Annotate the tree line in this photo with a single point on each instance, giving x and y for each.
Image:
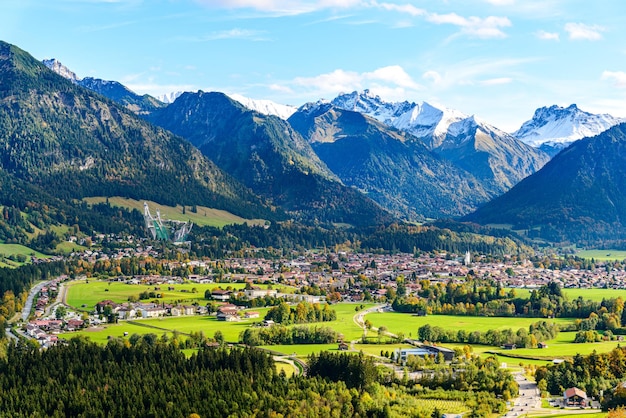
(303, 312)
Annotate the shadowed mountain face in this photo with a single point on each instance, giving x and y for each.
(268, 155)
(75, 143)
(578, 195)
(390, 166)
(496, 159)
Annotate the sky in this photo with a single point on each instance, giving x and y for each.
(496, 59)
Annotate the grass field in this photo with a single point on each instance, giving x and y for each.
(101, 335)
(594, 294)
(88, 293)
(204, 216)
(7, 250)
(287, 367)
(602, 255)
(409, 324)
(563, 346)
(209, 324)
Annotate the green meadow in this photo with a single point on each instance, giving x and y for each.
(409, 324)
(202, 216)
(84, 294)
(593, 293)
(562, 346)
(16, 251)
(602, 255)
(344, 324)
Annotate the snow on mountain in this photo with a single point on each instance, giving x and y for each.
(169, 97)
(557, 127)
(420, 119)
(61, 69)
(267, 107)
(95, 83)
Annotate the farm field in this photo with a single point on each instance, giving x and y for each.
(204, 216)
(301, 350)
(563, 346)
(101, 335)
(594, 294)
(602, 255)
(15, 250)
(209, 324)
(88, 293)
(409, 324)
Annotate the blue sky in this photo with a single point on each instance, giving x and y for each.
(497, 59)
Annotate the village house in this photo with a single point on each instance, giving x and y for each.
(575, 397)
(256, 292)
(227, 313)
(222, 295)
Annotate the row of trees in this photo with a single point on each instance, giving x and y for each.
(479, 297)
(281, 334)
(302, 313)
(537, 332)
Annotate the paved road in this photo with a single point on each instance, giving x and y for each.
(529, 397)
(31, 297)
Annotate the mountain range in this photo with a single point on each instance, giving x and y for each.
(266, 154)
(64, 138)
(578, 196)
(329, 161)
(495, 158)
(392, 167)
(554, 128)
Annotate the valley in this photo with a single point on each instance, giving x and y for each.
(347, 257)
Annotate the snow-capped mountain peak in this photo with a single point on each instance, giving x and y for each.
(372, 105)
(169, 97)
(424, 120)
(61, 69)
(558, 126)
(266, 107)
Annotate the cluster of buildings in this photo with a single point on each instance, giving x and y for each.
(136, 310)
(351, 274)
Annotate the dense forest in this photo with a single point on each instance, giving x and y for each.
(287, 236)
(153, 378)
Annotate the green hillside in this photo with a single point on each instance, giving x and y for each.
(203, 215)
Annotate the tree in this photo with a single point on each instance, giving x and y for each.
(219, 337)
(60, 312)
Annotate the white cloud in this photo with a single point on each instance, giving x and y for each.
(496, 81)
(500, 2)
(432, 75)
(547, 36)
(618, 78)
(488, 27)
(402, 8)
(473, 72)
(581, 31)
(391, 81)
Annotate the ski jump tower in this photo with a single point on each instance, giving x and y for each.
(165, 230)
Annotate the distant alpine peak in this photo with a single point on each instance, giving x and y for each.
(420, 119)
(266, 107)
(61, 69)
(370, 104)
(556, 125)
(319, 107)
(169, 97)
